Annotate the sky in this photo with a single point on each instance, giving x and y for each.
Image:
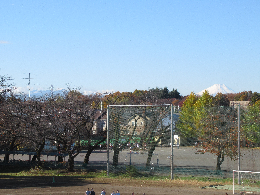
(115, 45)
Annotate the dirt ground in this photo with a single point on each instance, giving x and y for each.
(70, 185)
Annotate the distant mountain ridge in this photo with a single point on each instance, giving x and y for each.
(38, 93)
(217, 88)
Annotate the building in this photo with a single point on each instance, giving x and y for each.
(136, 125)
(243, 104)
(100, 122)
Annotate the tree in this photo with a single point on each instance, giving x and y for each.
(121, 132)
(12, 124)
(165, 93)
(251, 124)
(156, 93)
(218, 135)
(186, 125)
(157, 127)
(93, 116)
(214, 128)
(5, 87)
(220, 100)
(255, 97)
(174, 94)
(38, 125)
(116, 136)
(204, 102)
(243, 96)
(69, 118)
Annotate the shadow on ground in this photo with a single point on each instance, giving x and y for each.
(16, 182)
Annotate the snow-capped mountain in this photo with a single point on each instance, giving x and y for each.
(217, 88)
(38, 93)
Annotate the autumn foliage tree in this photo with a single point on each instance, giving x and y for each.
(218, 135)
(213, 128)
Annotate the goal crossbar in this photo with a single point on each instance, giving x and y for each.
(140, 105)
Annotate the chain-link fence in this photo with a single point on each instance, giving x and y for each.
(134, 135)
(141, 137)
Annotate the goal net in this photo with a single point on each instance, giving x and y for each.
(139, 138)
(246, 182)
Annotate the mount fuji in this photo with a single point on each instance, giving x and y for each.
(217, 88)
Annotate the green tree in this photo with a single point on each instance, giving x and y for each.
(174, 94)
(220, 100)
(165, 93)
(255, 97)
(251, 124)
(204, 102)
(186, 125)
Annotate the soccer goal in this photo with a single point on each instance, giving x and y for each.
(249, 182)
(140, 136)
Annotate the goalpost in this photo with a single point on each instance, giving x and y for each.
(126, 124)
(248, 181)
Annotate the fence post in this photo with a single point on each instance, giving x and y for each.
(172, 142)
(108, 140)
(238, 142)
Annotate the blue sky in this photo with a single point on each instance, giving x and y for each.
(131, 44)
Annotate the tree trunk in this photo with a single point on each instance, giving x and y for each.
(116, 152)
(72, 156)
(91, 148)
(60, 159)
(6, 158)
(11, 148)
(150, 154)
(34, 158)
(116, 143)
(71, 162)
(38, 153)
(220, 160)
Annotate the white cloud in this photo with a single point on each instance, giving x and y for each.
(4, 42)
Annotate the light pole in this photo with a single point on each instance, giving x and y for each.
(29, 83)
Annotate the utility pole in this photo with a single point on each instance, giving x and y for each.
(29, 78)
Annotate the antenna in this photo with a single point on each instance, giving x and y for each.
(29, 83)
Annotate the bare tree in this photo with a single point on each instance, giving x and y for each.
(12, 124)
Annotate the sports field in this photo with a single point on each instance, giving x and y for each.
(187, 157)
